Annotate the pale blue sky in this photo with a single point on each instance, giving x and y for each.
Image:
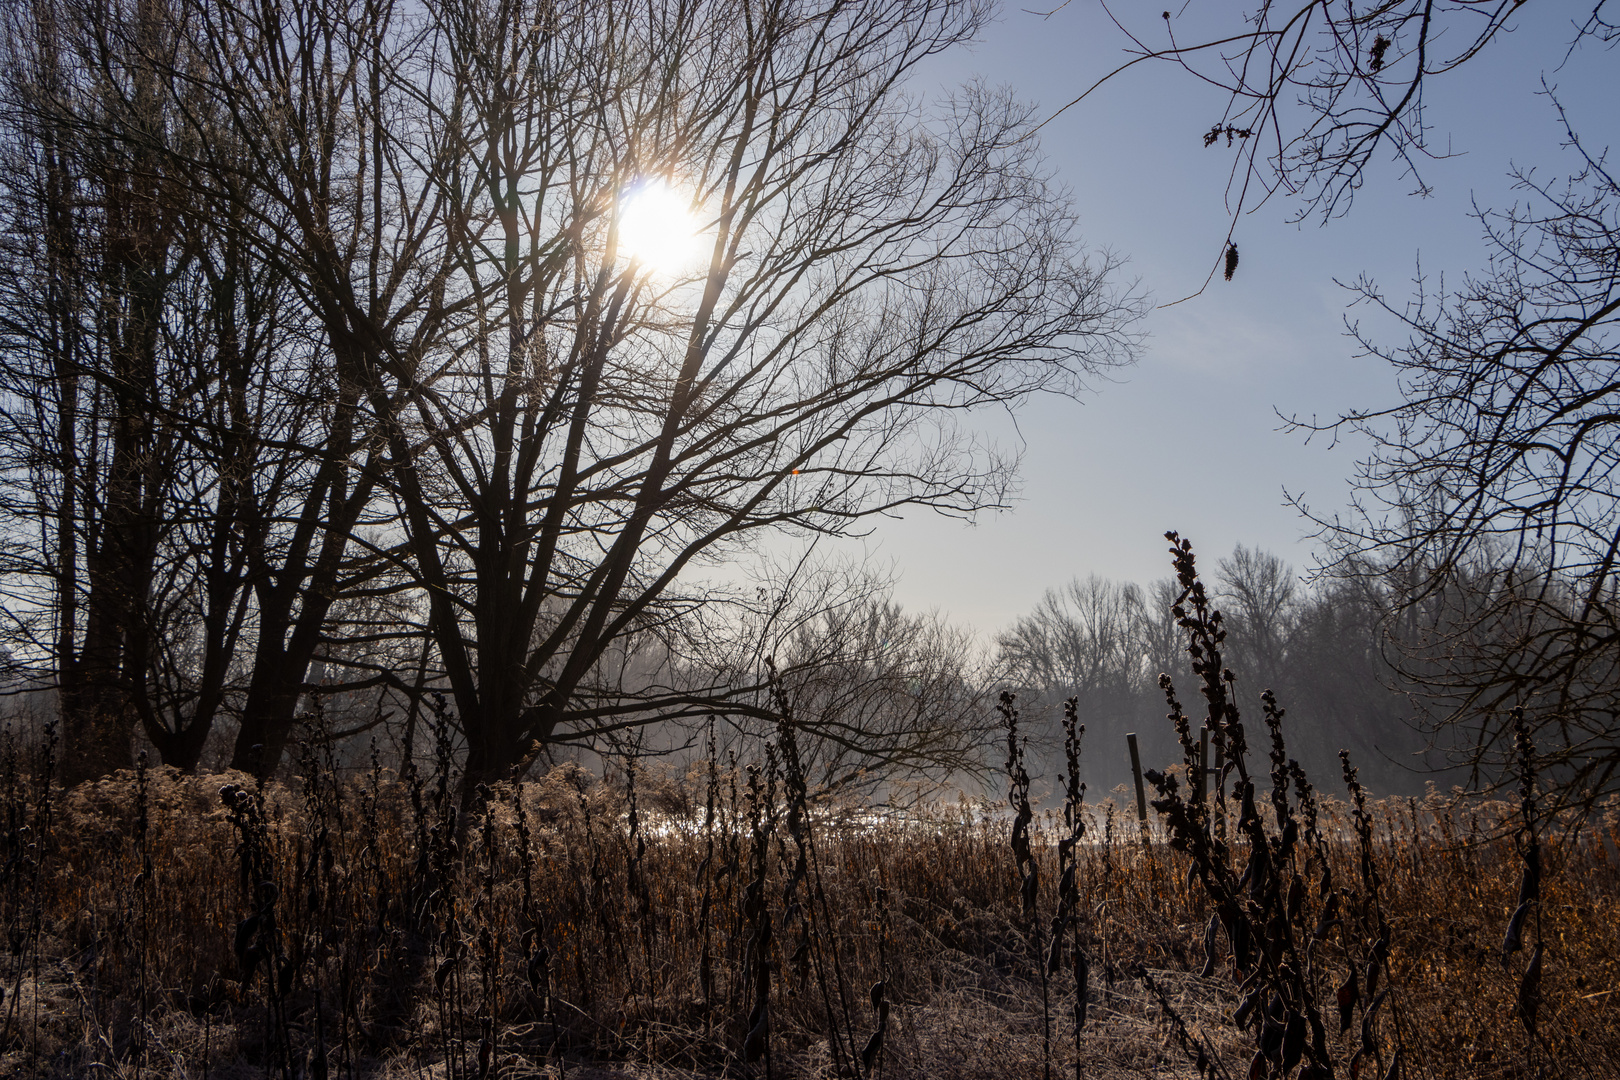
(1189, 438)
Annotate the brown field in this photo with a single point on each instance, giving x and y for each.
(364, 928)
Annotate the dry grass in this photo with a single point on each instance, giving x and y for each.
(399, 944)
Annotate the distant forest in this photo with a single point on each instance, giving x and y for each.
(1324, 651)
(891, 696)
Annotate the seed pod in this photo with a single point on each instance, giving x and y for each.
(250, 963)
(284, 980)
(538, 972)
(1293, 1043)
(1242, 945)
(1513, 940)
(1248, 815)
(1530, 991)
(1348, 994)
(1367, 1043)
(1031, 884)
(1210, 932)
(754, 1044)
(1296, 899)
(1271, 1040)
(1330, 915)
(1276, 938)
(1245, 1009)
(1272, 1031)
(1530, 883)
(244, 934)
(873, 1047)
(759, 1029)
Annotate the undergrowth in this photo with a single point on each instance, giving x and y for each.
(729, 921)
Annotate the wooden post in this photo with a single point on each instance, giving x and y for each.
(1136, 770)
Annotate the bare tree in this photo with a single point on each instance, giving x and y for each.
(885, 695)
(875, 695)
(1080, 639)
(529, 425)
(180, 441)
(1104, 643)
(1255, 591)
(92, 440)
(1492, 511)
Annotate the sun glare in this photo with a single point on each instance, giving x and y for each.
(656, 228)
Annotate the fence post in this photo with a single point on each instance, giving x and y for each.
(1136, 770)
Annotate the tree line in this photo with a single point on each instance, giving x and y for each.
(1325, 652)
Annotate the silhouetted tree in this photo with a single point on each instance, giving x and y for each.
(521, 435)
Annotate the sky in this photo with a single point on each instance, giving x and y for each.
(1190, 437)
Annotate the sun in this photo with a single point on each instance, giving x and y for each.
(656, 227)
